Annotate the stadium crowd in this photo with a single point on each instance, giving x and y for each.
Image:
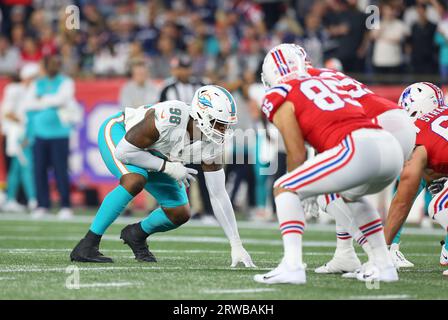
(222, 42)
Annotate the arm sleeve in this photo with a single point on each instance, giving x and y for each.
(130, 154)
(222, 207)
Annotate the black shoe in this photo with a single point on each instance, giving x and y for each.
(86, 251)
(134, 236)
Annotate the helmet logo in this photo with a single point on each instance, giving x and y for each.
(204, 101)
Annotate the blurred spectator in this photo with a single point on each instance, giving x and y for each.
(441, 39)
(313, 39)
(69, 60)
(109, 61)
(423, 51)
(136, 54)
(160, 64)
(138, 90)
(18, 35)
(346, 26)
(30, 51)
(48, 44)
(182, 85)
(387, 50)
(224, 69)
(51, 148)
(93, 18)
(18, 146)
(195, 49)
(9, 57)
(87, 53)
(147, 35)
(431, 11)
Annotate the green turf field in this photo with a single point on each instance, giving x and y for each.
(193, 264)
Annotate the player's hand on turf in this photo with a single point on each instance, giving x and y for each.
(437, 185)
(179, 172)
(239, 254)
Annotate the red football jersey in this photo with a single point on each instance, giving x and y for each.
(325, 115)
(373, 104)
(433, 135)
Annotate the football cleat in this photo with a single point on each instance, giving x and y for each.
(65, 214)
(39, 213)
(443, 255)
(398, 258)
(13, 207)
(343, 261)
(87, 251)
(283, 274)
(372, 273)
(134, 236)
(354, 274)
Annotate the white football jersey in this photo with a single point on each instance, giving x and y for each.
(171, 120)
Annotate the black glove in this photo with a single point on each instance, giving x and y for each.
(437, 185)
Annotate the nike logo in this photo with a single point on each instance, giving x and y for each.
(269, 277)
(444, 256)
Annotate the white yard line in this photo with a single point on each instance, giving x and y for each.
(382, 297)
(224, 251)
(21, 268)
(255, 290)
(108, 284)
(194, 239)
(194, 223)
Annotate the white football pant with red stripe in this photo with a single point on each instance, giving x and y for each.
(438, 208)
(365, 162)
(398, 123)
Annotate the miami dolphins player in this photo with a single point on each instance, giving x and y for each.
(145, 148)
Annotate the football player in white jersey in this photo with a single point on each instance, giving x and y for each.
(145, 148)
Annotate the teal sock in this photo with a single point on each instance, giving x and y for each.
(113, 204)
(397, 236)
(157, 221)
(446, 242)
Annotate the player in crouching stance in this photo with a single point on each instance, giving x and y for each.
(392, 118)
(429, 161)
(356, 158)
(145, 148)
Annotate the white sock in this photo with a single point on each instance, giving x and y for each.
(343, 239)
(442, 218)
(291, 219)
(369, 222)
(344, 223)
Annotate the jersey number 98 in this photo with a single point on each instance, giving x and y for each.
(175, 115)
